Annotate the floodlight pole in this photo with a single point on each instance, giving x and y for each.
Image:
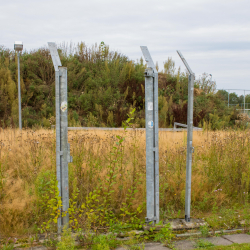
(19, 91)
(190, 148)
(62, 146)
(152, 139)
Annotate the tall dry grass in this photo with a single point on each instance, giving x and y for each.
(220, 176)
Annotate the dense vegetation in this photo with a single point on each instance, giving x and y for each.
(102, 87)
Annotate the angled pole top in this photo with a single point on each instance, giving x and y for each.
(55, 56)
(148, 58)
(185, 62)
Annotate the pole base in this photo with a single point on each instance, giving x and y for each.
(187, 219)
(152, 220)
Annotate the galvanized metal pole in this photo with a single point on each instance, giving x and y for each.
(156, 149)
(152, 141)
(58, 143)
(62, 145)
(244, 101)
(19, 92)
(150, 182)
(228, 99)
(190, 148)
(65, 150)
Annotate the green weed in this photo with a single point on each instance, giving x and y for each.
(203, 244)
(165, 235)
(67, 242)
(204, 230)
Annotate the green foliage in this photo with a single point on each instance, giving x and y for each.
(104, 242)
(67, 242)
(134, 242)
(246, 217)
(234, 246)
(102, 87)
(9, 245)
(224, 219)
(165, 235)
(204, 230)
(203, 244)
(49, 203)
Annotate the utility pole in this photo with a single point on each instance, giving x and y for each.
(152, 138)
(190, 148)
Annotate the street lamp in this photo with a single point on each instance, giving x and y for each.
(18, 46)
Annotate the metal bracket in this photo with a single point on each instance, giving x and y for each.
(185, 62)
(148, 220)
(55, 56)
(148, 58)
(149, 72)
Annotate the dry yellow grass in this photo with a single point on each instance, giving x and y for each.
(221, 159)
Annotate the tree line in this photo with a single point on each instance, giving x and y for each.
(103, 86)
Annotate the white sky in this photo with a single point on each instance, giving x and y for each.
(213, 35)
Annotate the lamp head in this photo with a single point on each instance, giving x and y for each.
(18, 46)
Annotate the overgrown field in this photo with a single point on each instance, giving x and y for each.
(107, 179)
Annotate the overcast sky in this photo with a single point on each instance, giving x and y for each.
(213, 35)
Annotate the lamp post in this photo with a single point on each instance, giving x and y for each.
(18, 46)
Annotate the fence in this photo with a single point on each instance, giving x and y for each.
(174, 129)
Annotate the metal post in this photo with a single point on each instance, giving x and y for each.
(244, 101)
(228, 99)
(190, 148)
(58, 142)
(152, 147)
(62, 145)
(19, 92)
(64, 153)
